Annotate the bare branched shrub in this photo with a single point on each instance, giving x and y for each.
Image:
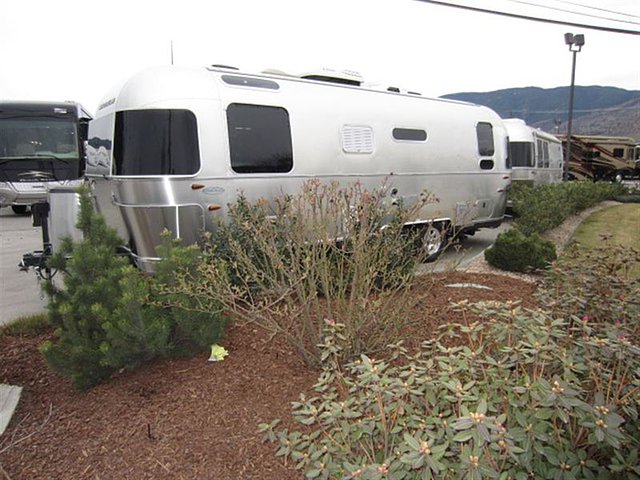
(326, 253)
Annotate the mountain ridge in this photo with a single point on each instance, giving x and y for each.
(598, 110)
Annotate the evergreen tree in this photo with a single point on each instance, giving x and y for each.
(110, 316)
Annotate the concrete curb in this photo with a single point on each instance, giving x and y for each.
(9, 397)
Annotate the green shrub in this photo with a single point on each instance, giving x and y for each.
(583, 195)
(235, 234)
(540, 208)
(109, 315)
(516, 252)
(544, 207)
(627, 194)
(628, 198)
(196, 323)
(519, 394)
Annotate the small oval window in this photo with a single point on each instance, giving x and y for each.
(409, 134)
(486, 164)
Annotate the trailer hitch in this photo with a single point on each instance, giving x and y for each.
(38, 259)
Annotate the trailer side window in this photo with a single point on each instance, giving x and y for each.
(259, 139)
(539, 154)
(156, 142)
(508, 161)
(521, 154)
(409, 134)
(545, 152)
(630, 154)
(484, 132)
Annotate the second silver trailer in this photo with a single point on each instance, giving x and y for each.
(173, 147)
(536, 156)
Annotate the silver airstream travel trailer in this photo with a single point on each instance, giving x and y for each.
(536, 156)
(41, 147)
(173, 147)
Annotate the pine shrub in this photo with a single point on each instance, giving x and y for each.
(516, 252)
(108, 315)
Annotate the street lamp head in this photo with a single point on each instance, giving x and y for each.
(575, 42)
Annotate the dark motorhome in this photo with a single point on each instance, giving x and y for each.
(41, 147)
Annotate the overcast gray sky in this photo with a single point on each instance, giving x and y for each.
(78, 49)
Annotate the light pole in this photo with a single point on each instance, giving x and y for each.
(575, 43)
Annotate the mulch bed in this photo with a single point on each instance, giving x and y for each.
(181, 418)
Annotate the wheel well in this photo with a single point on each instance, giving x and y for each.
(423, 238)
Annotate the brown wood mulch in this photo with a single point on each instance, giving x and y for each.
(180, 418)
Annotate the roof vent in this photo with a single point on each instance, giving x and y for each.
(344, 77)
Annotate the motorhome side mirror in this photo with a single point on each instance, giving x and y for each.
(83, 129)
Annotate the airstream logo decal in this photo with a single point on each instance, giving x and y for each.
(213, 191)
(35, 176)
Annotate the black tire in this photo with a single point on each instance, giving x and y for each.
(19, 209)
(434, 240)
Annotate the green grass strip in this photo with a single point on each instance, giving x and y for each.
(27, 326)
(620, 224)
(616, 225)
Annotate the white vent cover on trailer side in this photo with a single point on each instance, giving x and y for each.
(357, 139)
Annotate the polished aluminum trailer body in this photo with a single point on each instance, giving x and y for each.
(173, 147)
(536, 156)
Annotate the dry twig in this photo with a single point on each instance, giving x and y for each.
(12, 443)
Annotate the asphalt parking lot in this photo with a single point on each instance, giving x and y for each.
(20, 293)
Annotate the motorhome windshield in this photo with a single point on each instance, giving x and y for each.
(521, 154)
(29, 137)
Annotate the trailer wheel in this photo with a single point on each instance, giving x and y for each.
(434, 240)
(19, 209)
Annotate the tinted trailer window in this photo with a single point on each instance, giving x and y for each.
(259, 139)
(156, 142)
(484, 132)
(521, 154)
